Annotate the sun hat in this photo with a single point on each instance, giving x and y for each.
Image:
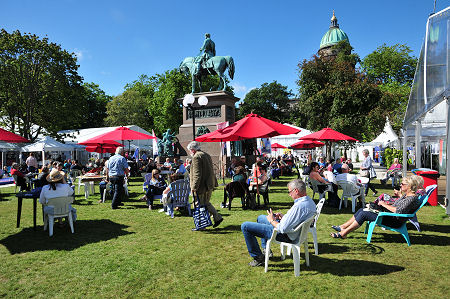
(55, 176)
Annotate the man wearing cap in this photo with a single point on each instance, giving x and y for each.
(116, 169)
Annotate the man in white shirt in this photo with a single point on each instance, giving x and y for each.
(32, 163)
(348, 177)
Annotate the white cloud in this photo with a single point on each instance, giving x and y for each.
(105, 73)
(239, 89)
(81, 54)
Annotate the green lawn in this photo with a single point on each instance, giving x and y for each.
(133, 252)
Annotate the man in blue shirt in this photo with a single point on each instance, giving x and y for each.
(116, 169)
(302, 209)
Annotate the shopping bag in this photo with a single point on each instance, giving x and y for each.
(200, 214)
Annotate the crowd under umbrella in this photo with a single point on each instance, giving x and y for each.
(276, 146)
(7, 140)
(328, 135)
(120, 134)
(249, 127)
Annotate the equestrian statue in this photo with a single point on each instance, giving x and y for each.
(207, 63)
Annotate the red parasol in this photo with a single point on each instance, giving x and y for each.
(251, 126)
(306, 144)
(328, 134)
(277, 145)
(7, 136)
(121, 133)
(102, 149)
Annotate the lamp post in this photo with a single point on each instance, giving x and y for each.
(188, 102)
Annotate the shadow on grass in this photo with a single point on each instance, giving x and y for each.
(435, 228)
(223, 230)
(86, 232)
(338, 267)
(414, 238)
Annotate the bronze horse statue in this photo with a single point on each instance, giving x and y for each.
(216, 65)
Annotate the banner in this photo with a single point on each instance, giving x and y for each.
(155, 145)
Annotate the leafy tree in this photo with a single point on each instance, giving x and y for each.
(388, 64)
(271, 101)
(392, 69)
(128, 108)
(39, 86)
(96, 101)
(332, 93)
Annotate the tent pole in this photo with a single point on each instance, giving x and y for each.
(405, 151)
(418, 143)
(447, 173)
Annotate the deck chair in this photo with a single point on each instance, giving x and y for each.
(56, 208)
(178, 196)
(414, 221)
(312, 228)
(347, 193)
(235, 189)
(370, 225)
(302, 230)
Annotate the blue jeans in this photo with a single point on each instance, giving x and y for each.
(117, 185)
(262, 228)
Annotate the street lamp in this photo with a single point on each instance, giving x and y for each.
(188, 102)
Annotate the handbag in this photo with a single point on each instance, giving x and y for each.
(200, 214)
(364, 173)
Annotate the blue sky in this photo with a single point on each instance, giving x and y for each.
(116, 41)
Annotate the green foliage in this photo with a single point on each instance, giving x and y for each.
(388, 64)
(271, 100)
(389, 154)
(96, 100)
(39, 85)
(333, 94)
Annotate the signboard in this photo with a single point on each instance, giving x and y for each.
(210, 112)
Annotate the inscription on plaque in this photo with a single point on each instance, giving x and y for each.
(210, 112)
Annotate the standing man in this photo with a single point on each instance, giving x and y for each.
(302, 209)
(116, 169)
(203, 179)
(32, 163)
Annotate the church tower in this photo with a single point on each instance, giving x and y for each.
(331, 38)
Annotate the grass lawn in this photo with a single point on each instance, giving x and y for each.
(133, 252)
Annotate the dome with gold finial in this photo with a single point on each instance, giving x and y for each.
(333, 35)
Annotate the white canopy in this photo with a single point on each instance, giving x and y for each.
(287, 140)
(8, 146)
(387, 138)
(47, 144)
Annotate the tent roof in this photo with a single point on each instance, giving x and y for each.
(287, 140)
(387, 137)
(47, 144)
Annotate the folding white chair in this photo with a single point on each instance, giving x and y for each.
(312, 228)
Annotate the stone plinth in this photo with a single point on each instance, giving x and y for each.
(220, 108)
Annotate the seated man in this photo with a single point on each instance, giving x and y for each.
(351, 178)
(302, 209)
(179, 165)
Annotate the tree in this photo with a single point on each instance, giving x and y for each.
(332, 93)
(392, 69)
(388, 64)
(271, 101)
(96, 101)
(39, 86)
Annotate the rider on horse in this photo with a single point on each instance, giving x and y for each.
(208, 49)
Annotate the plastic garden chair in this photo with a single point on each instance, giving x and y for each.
(314, 186)
(414, 220)
(312, 228)
(56, 208)
(370, 225)
(348, 189)
(178, 196)
(302, 230)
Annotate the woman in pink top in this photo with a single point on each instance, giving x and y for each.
(393, 171)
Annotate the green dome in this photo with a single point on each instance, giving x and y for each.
(333, 35)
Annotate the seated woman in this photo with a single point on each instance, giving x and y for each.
(406, 204)
(314, 175)
(21, 179)
(239, 175)
(262, 178)
(395, 167)
(56, 187)
(156, 186)
(276, 169)
(41, 180)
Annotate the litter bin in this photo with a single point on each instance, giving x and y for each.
(430, 177)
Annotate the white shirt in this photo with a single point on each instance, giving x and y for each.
(351, 178)
(48, 192)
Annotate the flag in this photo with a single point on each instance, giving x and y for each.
(155, 144)
(136, 154)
